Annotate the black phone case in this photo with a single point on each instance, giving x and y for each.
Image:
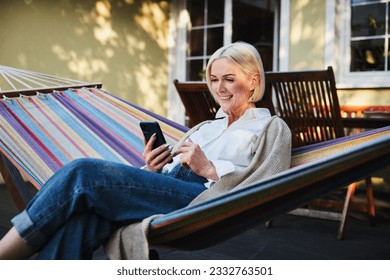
(149, 128)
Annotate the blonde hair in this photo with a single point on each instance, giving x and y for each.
(247, 58)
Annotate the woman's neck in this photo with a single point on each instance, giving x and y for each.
(234, 116)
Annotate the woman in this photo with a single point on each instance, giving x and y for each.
(87, 200)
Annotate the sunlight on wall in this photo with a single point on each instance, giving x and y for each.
(307, 37)
(121, 43)
(147, 82)
(103, 30)
(154, 20)
(85, 65)
(134, 46)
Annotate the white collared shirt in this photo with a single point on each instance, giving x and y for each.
(229, 148)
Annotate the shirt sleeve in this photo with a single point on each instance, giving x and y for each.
(223, 167)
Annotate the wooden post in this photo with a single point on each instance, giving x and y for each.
(15, 183)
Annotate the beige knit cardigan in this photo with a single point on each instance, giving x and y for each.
(272, 155)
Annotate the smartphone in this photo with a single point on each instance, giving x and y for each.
(149, 128)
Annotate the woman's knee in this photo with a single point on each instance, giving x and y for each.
(89, 171)
(75, 171)
(82, 165)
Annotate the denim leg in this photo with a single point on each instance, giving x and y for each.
(118, 193)
(75, 242)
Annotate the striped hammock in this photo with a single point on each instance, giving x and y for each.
(39, 134)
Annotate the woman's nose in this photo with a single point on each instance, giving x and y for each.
(221, 87)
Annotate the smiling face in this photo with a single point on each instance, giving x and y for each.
(231, 87)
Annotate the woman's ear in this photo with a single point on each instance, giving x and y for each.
(255, 80)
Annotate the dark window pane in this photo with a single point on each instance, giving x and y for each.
(195, 70)
(368, 20)
(367, 55)
(215, 10)
(196, 10)
(195, 42)
(214, 39)
(253, 22)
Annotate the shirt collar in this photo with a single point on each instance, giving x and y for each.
(251, 113)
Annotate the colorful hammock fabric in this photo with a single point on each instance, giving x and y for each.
(42, 133)
(321, 150)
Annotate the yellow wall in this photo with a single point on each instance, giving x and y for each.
(307, 34)
(121, 43)
(364, 97)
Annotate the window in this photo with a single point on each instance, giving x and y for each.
(210, 25)
(199, 27)
(369, 45)
(256, 27)
(205, 34)
(363, 38)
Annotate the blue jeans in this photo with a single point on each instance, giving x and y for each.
(78, 209)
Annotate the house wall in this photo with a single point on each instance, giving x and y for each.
(307, 45)
(121, 43)
(307, 34)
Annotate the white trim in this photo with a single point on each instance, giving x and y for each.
(345, 78)
(329, 51)
(228, 22)
(345, 36)
(176, 58)
(275, 50)
(284, 47)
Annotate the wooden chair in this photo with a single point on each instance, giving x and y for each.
(308, 103)
(197, 100)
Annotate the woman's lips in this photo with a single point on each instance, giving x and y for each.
(226, 97)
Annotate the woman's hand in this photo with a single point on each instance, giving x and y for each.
(157, 158)
(193, 157)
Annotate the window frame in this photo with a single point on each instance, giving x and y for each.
(346, 78)
(226, 25)
(177, 58)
